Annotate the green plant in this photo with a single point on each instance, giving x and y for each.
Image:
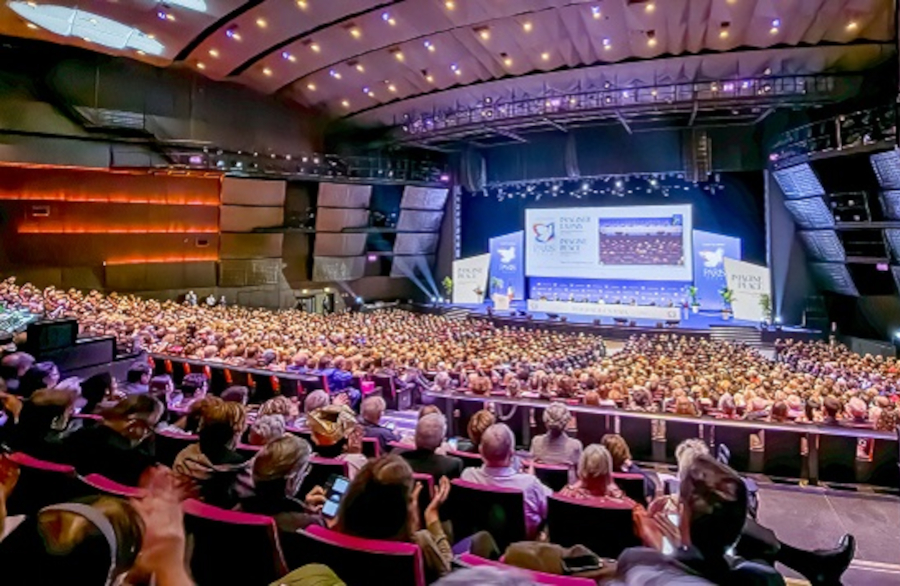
(727, 296)
(765, 304)
(496, 284)
(447, 284)
(692, 293)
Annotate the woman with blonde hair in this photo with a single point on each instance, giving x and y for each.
(595, 477)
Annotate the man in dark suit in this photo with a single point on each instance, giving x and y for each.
(372, 410)
(430, 431)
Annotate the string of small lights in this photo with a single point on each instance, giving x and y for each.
(664, 184)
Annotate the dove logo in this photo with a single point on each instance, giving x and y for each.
(544, 232)
(507, 255)
(713, 258)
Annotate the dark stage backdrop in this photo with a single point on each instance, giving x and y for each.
(737, 210)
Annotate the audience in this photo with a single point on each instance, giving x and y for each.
(498, 452)
(595, 480)
(265, 429)
(476, 427)
(336, 434)
(372, 410)
(430, 432)
(555, 447)
(621, 459)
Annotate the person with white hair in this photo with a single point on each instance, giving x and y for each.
(266, 429)
(497, 449)
(372, 410)
(430, 432)
(556, 447)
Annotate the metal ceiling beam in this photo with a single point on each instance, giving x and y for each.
(764, 115)
(624, 122)
(694, 110)
(555, 125)
(507, 134)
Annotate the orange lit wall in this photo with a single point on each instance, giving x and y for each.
(61, 217)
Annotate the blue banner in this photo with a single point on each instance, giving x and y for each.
(508, 265)
(710, 251)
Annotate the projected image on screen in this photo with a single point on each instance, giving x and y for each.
(642, 241)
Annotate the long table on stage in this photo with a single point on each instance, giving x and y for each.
(606, 309)
(831, 449)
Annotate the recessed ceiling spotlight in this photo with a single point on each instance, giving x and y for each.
(723, 30)
(311, 87)
(355, 32)
(386, 17)
(261, 23)
(450, 4)
(430, 46)
(455, 69)
(288, 56)
(392, 88)
(266, 71)
(596, 13)
(31, 25)
(214, 53)
(359, 67)
(776, 26)
(651, 38)
(428, 77)
(302, 4)
(483, 32)
(315, 47)
(507, 60)
(650, 7)
(345, 103)
(527, 26)
(141, 53)
(398, 54)
(334, 74)
(852, 25)
(545, 56)
(201, 66)
(607, 43)
(232, 33)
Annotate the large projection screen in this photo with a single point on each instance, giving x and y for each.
(635, 243)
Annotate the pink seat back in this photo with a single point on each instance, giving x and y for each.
(470, 460)
(232, 547)
(169, 444)
(357, 560)
(41, 483)
(371, 447)
(538, 577)
(552, 475)
(367, 387)
(498, 510)
(107, 486)
(572, 521)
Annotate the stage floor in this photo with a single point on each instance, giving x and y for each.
(703, 320)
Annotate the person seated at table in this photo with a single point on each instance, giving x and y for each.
(121, 447)
(555, 446)
(498, 452)
(372, 411)
(478, 423)
(430, 431)
(595, 480)
(618, 449)
(382, 503)
(212, 469)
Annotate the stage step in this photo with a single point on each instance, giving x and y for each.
(752, 336)
(457, 313)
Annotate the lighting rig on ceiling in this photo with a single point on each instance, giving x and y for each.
(664, 184)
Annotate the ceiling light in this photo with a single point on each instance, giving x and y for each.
(776, 26)
(355, 32)
(650, 7)
(334, 74)
(398, 54)
(428, 77)
(595, 12)
(315, 47)
(651, 38)
(345, 103)
(311, 87)
(545, 56)
(301, 4)
(392, 88)
(31, 25)
(852, 25)
(267, 71)
(86, 39)
(527, 26)
(607, 43)
(141, 53)
(288, 56)
(214, 53)
(507, 60)
(429, 45)
(455, 69)
(483, 32)
(371, 94)
(450, 4)
(360, 68)
(200, 65)
(386, 17)
(723, 30)
(232, 33)
(261, 23)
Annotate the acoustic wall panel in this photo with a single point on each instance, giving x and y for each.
(340, 244)
(339, 195)
(149, 276)
(416, 243)
(419, 221)
(823, 245)
(423, 198)
(338, 269)
(890, 203)
(810, 212)
(249, 273)
(834, 277)
(798, 182)
(79, 218)
(893, 239)
(887, 168)
(247, 246)
(65, 250)
(253, 192)
(416, 266)
(246, 219)
(336, 219)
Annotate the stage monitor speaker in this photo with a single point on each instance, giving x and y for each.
(46, 336)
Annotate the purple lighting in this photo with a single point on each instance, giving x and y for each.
(445, 178)
(882, 266)
(196, 160)
(372, 257)
(161, 15)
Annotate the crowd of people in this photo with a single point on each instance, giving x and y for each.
(642, 249)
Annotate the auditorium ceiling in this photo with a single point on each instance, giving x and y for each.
(376, 61)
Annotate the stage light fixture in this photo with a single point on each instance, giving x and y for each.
(315, 47)
(527, 26)
(430, 46)
(334, 74)
(355, 32)
(596, 13)
(607, 43)
(214, 53)
(288, 56)
(852, 25)
(266, 71)
(651, 38)
(261, 23)
(483, 32)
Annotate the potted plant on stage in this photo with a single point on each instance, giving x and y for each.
(496, 285)
(727, 297)
(695, 302)
(765, 304)
(447, 284)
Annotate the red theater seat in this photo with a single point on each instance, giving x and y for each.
(556, 477)
(40, 483)
(604, 527)
(100, 483)
(498, 510)
(231, 547)
(169, 444)
(632, 485)
(357, 561)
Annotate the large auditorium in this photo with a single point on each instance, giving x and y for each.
(451, 292)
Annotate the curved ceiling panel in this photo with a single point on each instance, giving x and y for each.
(352, 56)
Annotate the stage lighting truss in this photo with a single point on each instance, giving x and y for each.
(610, 100)
(823, 245)
(799, 182)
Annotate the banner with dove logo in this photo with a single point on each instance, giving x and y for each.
(508, 265)
(710, 252)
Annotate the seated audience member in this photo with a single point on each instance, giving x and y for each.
(43, 375)
(95, 540)
(336, 434)
(339, 380)
(279, 405)
(497, 449)
(193, 388)
(137, 380)
(43, 423)
(211, 468)
(236, 394)
(372, 410)
(121, 447)
(713, 513)
(595, 480)
(621, 456)
(430, 432)
(382, 503)
(278, 473)
(479, 422)
(13, 367)
(265, 429)
(555, 446)
(96, 390)
(831, 406)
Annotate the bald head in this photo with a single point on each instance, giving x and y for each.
(497, 445)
